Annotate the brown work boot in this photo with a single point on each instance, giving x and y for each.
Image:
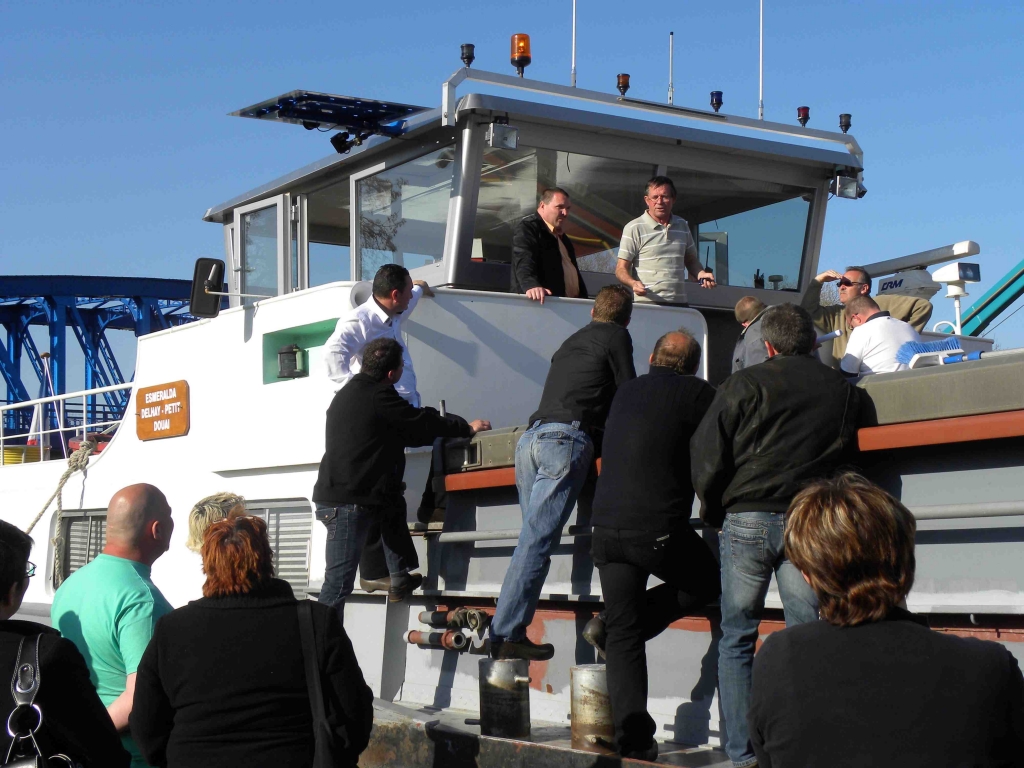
(372, 585)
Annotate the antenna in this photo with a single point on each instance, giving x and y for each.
(671, 46)
(760, 100)
(572, 75)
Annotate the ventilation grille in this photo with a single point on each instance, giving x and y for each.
(290, 527)
(85, 537)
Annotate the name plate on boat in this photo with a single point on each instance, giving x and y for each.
(162, 411)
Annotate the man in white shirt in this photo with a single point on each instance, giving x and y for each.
(875, 339)
(395, 295)
(657, 250)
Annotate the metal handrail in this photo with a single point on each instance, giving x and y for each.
(59, 401)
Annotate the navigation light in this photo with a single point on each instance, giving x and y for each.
(521, 52)
(716, 100)
(622, 83)
(845, 121)
(803, 114)
(468, 54)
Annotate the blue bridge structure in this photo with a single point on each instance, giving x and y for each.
(89, 307)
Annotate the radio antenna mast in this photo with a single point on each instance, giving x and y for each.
(572, 76)
(671, 46)
(760, 100)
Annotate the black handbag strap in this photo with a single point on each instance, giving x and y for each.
(27, 675)
(309, 657)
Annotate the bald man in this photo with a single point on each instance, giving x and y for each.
(108, 608)
(641, 528)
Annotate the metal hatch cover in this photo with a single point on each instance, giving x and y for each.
(323, 110)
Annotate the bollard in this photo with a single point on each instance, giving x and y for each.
(591, 712)
(505, 698)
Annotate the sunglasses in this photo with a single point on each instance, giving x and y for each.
(845, 281)
(30, 569)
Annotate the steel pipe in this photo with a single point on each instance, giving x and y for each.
(977, 509)
(450, 640)
(503, 534)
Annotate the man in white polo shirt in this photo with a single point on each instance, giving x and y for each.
(657, 250)
(875, 339)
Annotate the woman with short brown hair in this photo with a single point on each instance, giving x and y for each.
(223, 683)
(871, 684)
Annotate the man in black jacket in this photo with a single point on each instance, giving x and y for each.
(641, 528)
(543, 259)
(771, 428)
(75, 722)
(368, 427)
(554, 457)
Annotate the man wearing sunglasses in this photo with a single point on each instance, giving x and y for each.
(856, 281)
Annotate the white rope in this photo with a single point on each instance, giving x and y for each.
(78, 460)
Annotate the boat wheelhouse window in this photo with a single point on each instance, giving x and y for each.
(605, 194)
(745, 227)
(403, 213)
(84, 534)
(290, 527)
(328, 213)
(259, 252)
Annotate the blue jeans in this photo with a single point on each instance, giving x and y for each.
(552, 462)
(752, 547)
(347, 528)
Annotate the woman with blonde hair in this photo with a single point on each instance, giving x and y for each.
(208, 511)
(224, 679)
(871, 684)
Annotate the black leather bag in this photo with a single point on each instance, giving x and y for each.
(329, 753)
(24, 751)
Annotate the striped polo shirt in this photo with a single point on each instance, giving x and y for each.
(657, 253)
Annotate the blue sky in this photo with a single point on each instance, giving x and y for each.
(115, 138)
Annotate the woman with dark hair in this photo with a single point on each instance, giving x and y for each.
(223, 681)
(871, 684)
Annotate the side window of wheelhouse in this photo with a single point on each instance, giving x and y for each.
(328, 212)
(403, 213)
(606, 194)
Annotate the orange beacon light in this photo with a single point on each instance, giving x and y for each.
(521, 52)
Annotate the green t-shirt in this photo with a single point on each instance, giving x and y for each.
(108, 609)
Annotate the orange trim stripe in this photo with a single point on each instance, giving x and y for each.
(487, 478)
(962, 429)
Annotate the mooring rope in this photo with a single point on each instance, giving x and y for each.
(78, 460)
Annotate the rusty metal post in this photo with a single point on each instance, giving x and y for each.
(505, 698)
(590, 711)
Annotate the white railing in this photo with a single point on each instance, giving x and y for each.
(39, 432)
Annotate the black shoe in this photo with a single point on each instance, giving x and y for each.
(402, 586)
(372, 585)
(650, 754)
(521, 649)
(594, 633)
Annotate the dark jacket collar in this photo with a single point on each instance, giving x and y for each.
(902, 614)
(663, 370)
(274, 592)
(26, 628)
(883, 313)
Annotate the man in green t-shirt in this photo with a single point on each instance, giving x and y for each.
(109, 607)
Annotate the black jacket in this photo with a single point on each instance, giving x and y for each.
(889, 693)
(585, 372)
(536, 260)
(368, 426)
(222, 684)
(771, 429)
(645, 472)
(75, 722)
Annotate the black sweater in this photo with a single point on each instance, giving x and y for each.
(222, 684)
(889, 693)
(75, 722)
(772, 428)
(585, 372)
(537, 261)
(645, 472)
(368, 427)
